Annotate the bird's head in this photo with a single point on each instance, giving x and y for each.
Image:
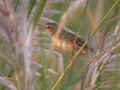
(52, 26)
(49, 27)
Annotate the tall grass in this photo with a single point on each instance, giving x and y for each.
(28, 61)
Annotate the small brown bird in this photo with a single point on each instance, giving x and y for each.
(67, 42)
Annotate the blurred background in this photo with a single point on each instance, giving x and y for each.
(28, 61)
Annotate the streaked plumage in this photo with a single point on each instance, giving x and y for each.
(67, 42)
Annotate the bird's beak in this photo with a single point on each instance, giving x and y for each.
(43, 26)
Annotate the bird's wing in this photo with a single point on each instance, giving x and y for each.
(72, 38)
(76, 41)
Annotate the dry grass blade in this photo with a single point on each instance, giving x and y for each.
(25, 49)
(7, 83)
(34, 64)
(67, 15)
(63, 21)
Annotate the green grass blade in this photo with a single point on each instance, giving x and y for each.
(105, 17)
(38, 11)
(30, 7)
(16, 3)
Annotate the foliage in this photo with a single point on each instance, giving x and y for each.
(28, 61)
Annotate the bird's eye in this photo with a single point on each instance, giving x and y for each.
(48, 26)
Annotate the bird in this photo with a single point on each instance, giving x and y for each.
(67, 42)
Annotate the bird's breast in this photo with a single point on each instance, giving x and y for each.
(61, 45)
